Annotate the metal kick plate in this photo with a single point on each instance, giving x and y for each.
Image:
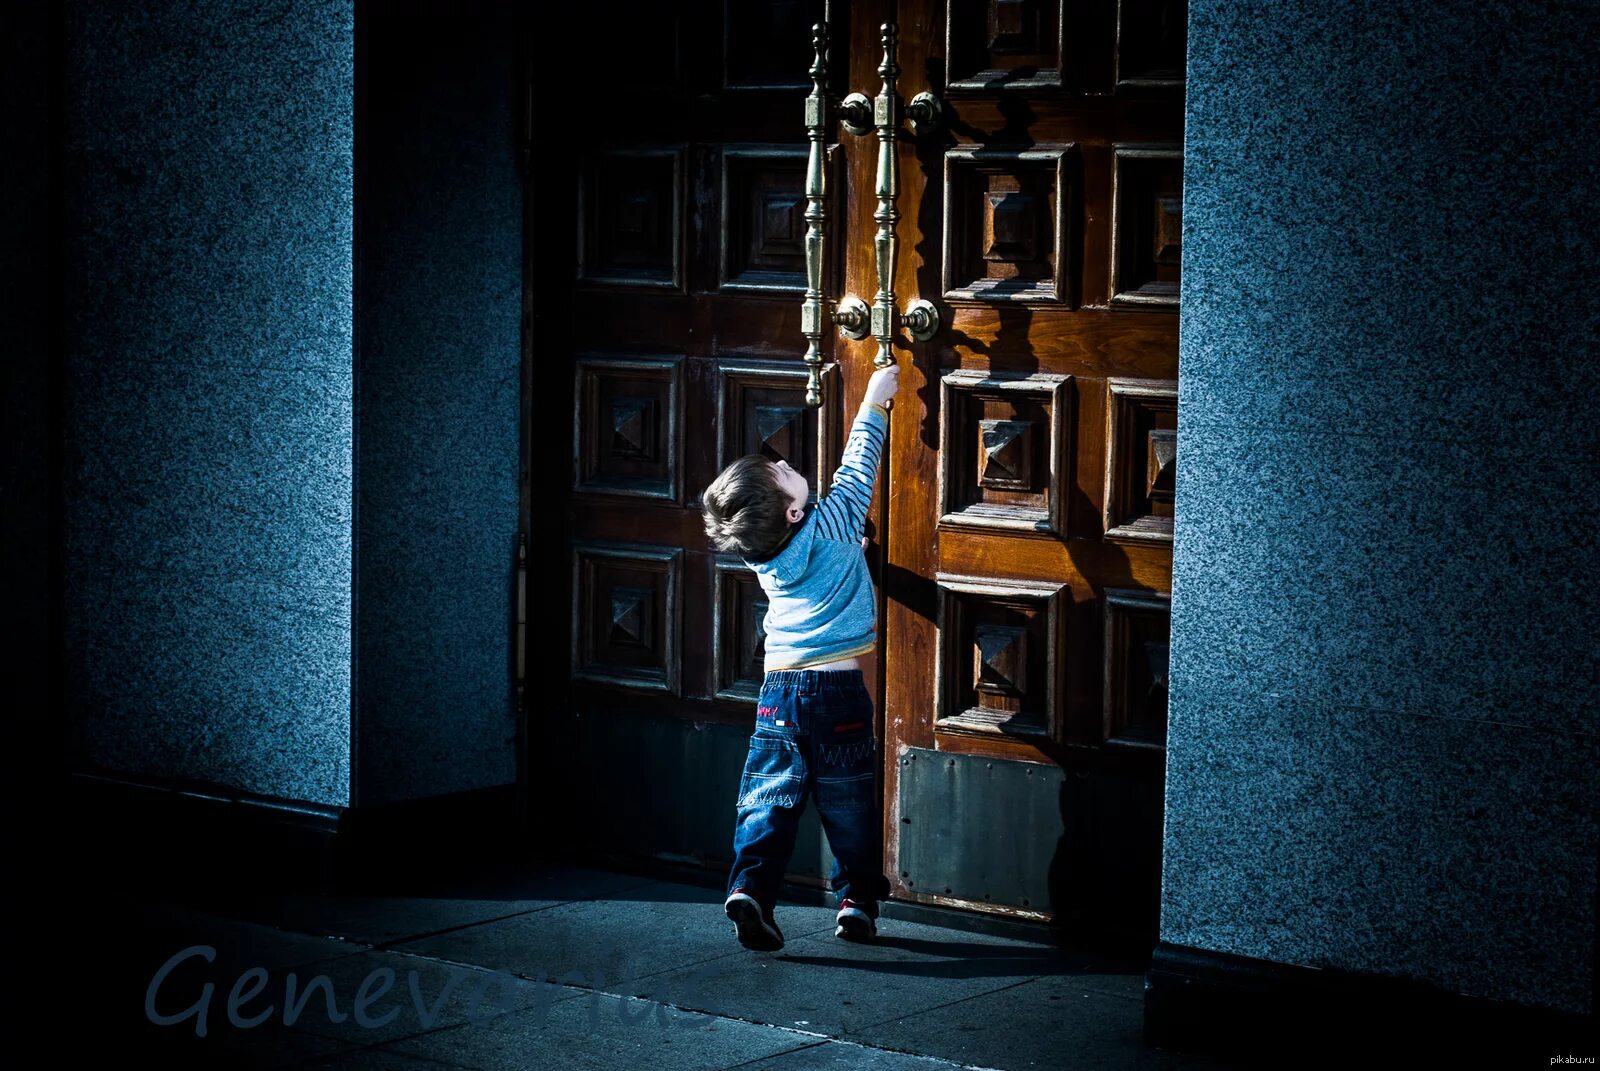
(978, 828)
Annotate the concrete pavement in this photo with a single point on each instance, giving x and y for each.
(537, 965)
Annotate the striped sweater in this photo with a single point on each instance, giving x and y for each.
(820, 602)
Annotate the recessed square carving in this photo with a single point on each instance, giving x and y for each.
(1015, 27)
(1005, 454)
(738, 642)
(1011, 226)
(630, 218)
(761, 409)
(633, 427)
(999, 656)
(1141, 459)
(1146, 225)
(632, 616)
(625, 614)
(1003, 44)
(1003, 447)
(1138, 629)
(764, 219)
(1152, 43)
(1001, 659)
(626, 436)
(1005, 226)
(768, 45)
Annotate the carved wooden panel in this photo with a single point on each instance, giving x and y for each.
(625, 614)
(738, 644)
(767, 45)
(1146, 224)
(761, 409)
(1003, 451)
(1138, 628)
(630, 218)
(1006, 226)
(1141, 459)
(643, 51)
(999, 657)
(1003, 44)
(1152, 42)
(764, 219)
(627, 438)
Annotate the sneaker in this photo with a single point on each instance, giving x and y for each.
(752, 923)
(854, 922)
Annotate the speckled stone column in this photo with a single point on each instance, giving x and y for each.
(1383, 741)
(209, 497)
(289, 554)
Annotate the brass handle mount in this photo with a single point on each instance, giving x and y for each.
(922, 319)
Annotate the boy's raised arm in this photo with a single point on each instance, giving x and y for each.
(842, 513)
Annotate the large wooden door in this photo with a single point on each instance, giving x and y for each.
(1029, 511)
(666, 271)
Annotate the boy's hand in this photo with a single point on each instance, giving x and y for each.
(883, 384)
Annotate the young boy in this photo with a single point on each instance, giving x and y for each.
(814, 717)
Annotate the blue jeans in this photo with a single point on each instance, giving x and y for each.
(813, 734)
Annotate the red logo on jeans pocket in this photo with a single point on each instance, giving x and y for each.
(766, 712)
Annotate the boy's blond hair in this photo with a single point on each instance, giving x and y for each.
(745, 509)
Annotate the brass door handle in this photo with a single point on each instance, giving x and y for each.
(851, 314)
(816, 216)
(860, 116)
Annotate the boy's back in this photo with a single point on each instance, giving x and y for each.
(820, 601)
